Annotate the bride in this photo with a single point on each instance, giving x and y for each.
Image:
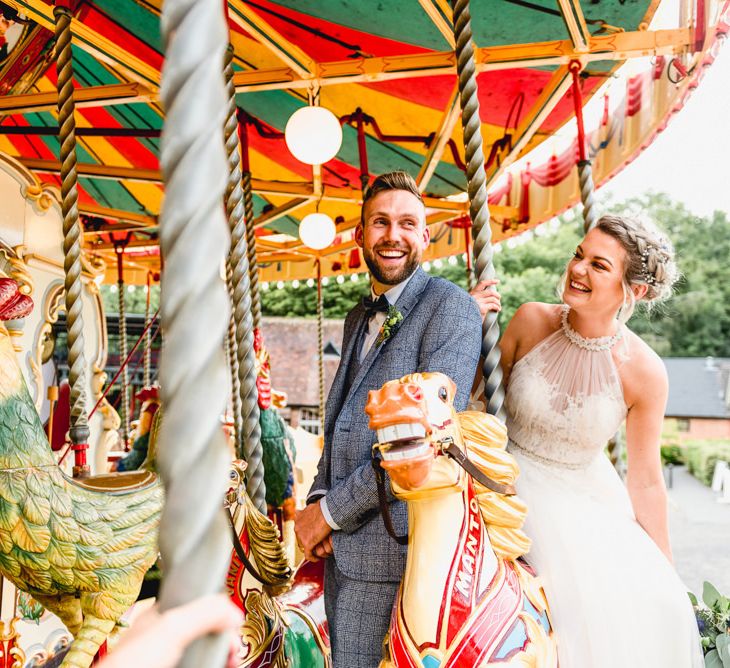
(573, 374)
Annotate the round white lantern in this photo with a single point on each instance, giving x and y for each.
(313, 135)
(317, 230)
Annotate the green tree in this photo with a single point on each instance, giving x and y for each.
(135, 298)
(694, 322)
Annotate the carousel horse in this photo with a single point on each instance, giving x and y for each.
(465, 598)
(149, 398)
(285, 623)
(80, 548)
(277, 447)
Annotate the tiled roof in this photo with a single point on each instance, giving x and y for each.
(698, 387)
(292, 344)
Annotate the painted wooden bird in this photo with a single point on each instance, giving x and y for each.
(81, 553)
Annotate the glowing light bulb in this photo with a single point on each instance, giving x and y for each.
(313, 135)
(317, 230)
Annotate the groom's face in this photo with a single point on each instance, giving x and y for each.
(393, 235)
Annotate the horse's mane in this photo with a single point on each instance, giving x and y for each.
(485, 439)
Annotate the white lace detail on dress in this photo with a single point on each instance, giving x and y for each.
(601, 343)
(564, 400)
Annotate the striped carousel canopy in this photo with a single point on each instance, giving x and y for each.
(387, 71)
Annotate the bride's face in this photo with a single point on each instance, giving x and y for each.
(595, 275)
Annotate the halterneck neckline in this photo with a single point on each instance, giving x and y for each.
(594, 345)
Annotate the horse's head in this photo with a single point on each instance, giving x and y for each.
(413, 416)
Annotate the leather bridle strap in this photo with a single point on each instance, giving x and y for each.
(383, 500)
(459, 456)
(248, 564)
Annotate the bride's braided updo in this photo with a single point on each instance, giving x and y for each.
(649, 258)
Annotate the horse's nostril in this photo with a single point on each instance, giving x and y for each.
(414, 392)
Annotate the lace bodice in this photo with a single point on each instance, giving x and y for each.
(564, 399)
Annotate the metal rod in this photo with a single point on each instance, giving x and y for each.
(79, 430)
(126, 361)
(362, 150)
(193, 456)
(320, 345)
(478, 204)
(148, 338)
(244, 121)
(242, 303)
(124, 404)
(585, 170)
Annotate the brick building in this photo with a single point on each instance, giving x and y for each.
(699, 396)
(292, 344)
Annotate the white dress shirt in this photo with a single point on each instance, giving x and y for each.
(374, 325)
(377, 320)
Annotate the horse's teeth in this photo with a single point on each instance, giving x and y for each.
(398, 432)
(406, 453)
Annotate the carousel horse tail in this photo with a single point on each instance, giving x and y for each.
(485, 438)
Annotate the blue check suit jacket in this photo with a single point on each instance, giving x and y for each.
(440, 331)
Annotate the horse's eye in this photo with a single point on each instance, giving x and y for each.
(443, 394)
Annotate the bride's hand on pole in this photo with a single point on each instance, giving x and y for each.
(486, 297)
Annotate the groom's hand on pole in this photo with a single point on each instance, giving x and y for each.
(311, 529)
(486, 298)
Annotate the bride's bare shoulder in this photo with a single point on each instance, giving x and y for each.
(532, 322)
(642, 371)
(537, 316)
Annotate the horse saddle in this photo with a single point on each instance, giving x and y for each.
(117, 483)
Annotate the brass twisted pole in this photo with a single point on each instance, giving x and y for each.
(251, 429)
(253, 264)
(233, 368)
(585, 171)
(147, 377)
(320, 345)
(193, 456)
(478, 205)
(231, 348)
(79, 430)
(124, 403)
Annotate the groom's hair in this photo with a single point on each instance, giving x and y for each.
(398, 180)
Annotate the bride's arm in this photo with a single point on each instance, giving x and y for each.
(645, 480)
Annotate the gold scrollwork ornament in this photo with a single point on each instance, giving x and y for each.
(12, 655)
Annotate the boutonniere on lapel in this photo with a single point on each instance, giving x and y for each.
(393, 319)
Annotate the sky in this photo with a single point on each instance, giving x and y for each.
(690, 160)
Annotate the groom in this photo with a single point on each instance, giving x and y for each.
(411, 322)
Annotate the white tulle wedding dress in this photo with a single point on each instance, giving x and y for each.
(616, 601)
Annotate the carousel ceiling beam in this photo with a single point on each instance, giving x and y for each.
(549, 97)
(112, 227)
(259, 186)
(91, 170)
(438, 143)
(345, 246)
(576, 24)
(280, 211)
(283, 257)
(133, 243)
(127, 219)
(112, 53)
(289, 247)
(52, 131)
(616, 46)
(262, 31)
(267, 244)
(93, 96)
(439, 12)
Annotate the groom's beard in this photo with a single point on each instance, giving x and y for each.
(391, 275)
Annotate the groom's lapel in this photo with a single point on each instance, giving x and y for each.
(339, 388)
(407, 300)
